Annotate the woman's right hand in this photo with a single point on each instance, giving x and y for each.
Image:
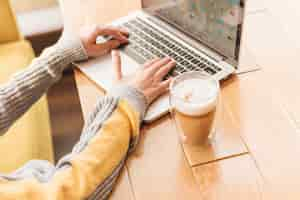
(150, 78)
(89, 35)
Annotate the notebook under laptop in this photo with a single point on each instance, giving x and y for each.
(202, 35)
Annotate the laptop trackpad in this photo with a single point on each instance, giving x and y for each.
(101, 70)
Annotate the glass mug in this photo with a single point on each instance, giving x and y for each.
(195, 105)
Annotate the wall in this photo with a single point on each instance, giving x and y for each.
(28, 5)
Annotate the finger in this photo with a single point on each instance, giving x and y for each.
(120, 30)
(98, 50)
(111, 44)
(163, 71)
(97, 31)
(116, 33)
(164, 85)
(156, 66)
(162, 88)
(151, 62)
(117, 64)
(123, 31)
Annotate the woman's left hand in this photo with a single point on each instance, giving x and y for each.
(149, 79)
(89, 34)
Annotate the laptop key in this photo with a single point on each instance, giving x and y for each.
(161, 55)
(178, 67)
(202, 65)
(183, 70)
(133, 54)
(218, 69)
(210, 71)
(185, 63)
(178, 59)
(190, 66)
(173, 55)
(195, 61)
(188, 57)
(167, 51)
(198, 69)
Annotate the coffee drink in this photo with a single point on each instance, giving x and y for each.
(194, 105)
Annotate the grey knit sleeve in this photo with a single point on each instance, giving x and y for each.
(26, 87)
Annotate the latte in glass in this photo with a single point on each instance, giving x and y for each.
(194, 99)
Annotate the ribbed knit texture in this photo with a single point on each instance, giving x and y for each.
(26, 87)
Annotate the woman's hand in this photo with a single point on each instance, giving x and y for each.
(89, 34)
(149, 79)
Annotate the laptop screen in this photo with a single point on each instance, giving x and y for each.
(217, 23)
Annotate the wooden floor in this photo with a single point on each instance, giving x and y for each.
(65, 115)
(256, 152)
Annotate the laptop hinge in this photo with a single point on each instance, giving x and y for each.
(231, 62)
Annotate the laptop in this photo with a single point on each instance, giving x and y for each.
(202, 35)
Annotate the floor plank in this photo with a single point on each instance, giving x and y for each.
(275, 145)
(287, 15)
(89, 94)
(61, 116)
(122, 189)
(269, 135)
(278, 53)
(236, 178)
(158, 168)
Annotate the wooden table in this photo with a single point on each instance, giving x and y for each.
(255, 155)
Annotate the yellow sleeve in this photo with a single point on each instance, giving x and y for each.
(91, 168)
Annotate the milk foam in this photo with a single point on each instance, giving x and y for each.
(195, 97)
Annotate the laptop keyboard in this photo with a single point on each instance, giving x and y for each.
(146, 42)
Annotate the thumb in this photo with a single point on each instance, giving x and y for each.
(111, 44)
(117, 64)
(103, 48)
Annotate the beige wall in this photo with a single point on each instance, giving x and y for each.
(27, 5)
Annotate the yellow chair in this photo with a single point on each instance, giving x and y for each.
(30, 137)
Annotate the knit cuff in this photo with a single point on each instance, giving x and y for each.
(58, 57)
(134, 97)
(73, 48)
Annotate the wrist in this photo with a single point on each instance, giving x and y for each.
(133, 96)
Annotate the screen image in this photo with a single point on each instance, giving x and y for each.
(217, 23)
